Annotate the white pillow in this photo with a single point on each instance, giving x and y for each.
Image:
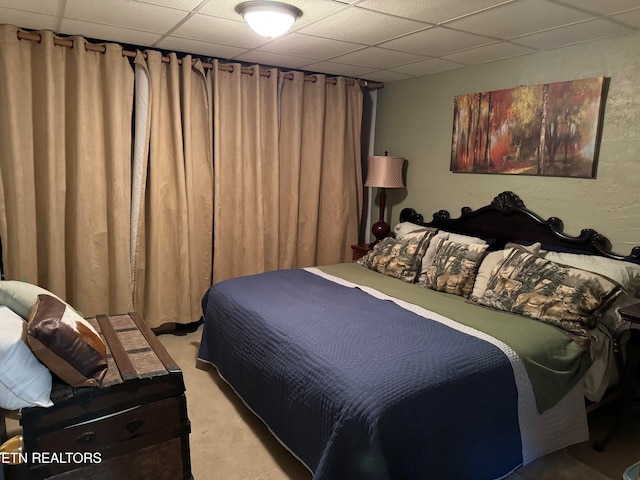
(625, 274)
(21, 296)
(459, 238)
(489, 262)
(24, 381)
(402, 228)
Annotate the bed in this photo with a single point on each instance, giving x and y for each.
(424, 359)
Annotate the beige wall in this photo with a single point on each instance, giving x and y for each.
(415, 118)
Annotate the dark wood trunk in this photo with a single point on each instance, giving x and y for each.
(134, 426)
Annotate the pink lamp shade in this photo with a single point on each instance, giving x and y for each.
(384, 172)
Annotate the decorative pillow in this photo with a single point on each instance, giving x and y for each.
(454, 267)
(66, 343)
(402, 228)
(490, 261)
(399, 258)
(626, 274)
(443, 235)
(24, 381)
(566, 297)
(21, 296)
(430, 254)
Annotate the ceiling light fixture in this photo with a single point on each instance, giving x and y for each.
(269, 19)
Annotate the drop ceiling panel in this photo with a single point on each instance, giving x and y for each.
(311, 47)
(337, 68)
(96, 30)
(198, 47)
(437, 41)
(362, 26)
(575, 33)
(380, 58)
(630, 18)
(387, 76)
(37, 21)
(265, 58)
(603, 7)
(122, 13)
(187, 5)
(427, 67)
(519, 18)
(51, 7)
(488, 53)
(431, 11)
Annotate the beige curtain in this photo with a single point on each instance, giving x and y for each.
(321, 175)
(65, 139)
(286, 153)
(288, 183)
(173, 257)
(246, 164)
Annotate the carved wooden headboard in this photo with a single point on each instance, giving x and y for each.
(506, 219)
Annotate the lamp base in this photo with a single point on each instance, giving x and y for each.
(380, 230)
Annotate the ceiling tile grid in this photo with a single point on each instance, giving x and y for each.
(378, 40)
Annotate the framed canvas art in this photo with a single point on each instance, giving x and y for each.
(551, 129)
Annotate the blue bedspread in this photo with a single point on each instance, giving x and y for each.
(360, 388)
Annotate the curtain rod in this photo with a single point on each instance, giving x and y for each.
(35, 37)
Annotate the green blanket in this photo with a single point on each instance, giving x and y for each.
(553, 362)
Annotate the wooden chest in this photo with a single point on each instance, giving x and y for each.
(134, 427)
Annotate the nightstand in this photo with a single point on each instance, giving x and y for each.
(631, 360)
(630, 313)
(360, 250)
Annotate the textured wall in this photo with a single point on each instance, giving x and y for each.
(415, 118)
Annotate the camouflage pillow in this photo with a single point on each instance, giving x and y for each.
(491, 260)
(399, 258)
(566, 297)
(454, 267)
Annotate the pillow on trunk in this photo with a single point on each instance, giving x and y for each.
(66, 343)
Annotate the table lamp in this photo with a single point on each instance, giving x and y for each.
(384, 172)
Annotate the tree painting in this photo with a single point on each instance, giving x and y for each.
(551, 129)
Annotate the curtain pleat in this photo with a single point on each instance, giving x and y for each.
(246, 164)
(198, 158)
(65, 142)
(173, 268)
